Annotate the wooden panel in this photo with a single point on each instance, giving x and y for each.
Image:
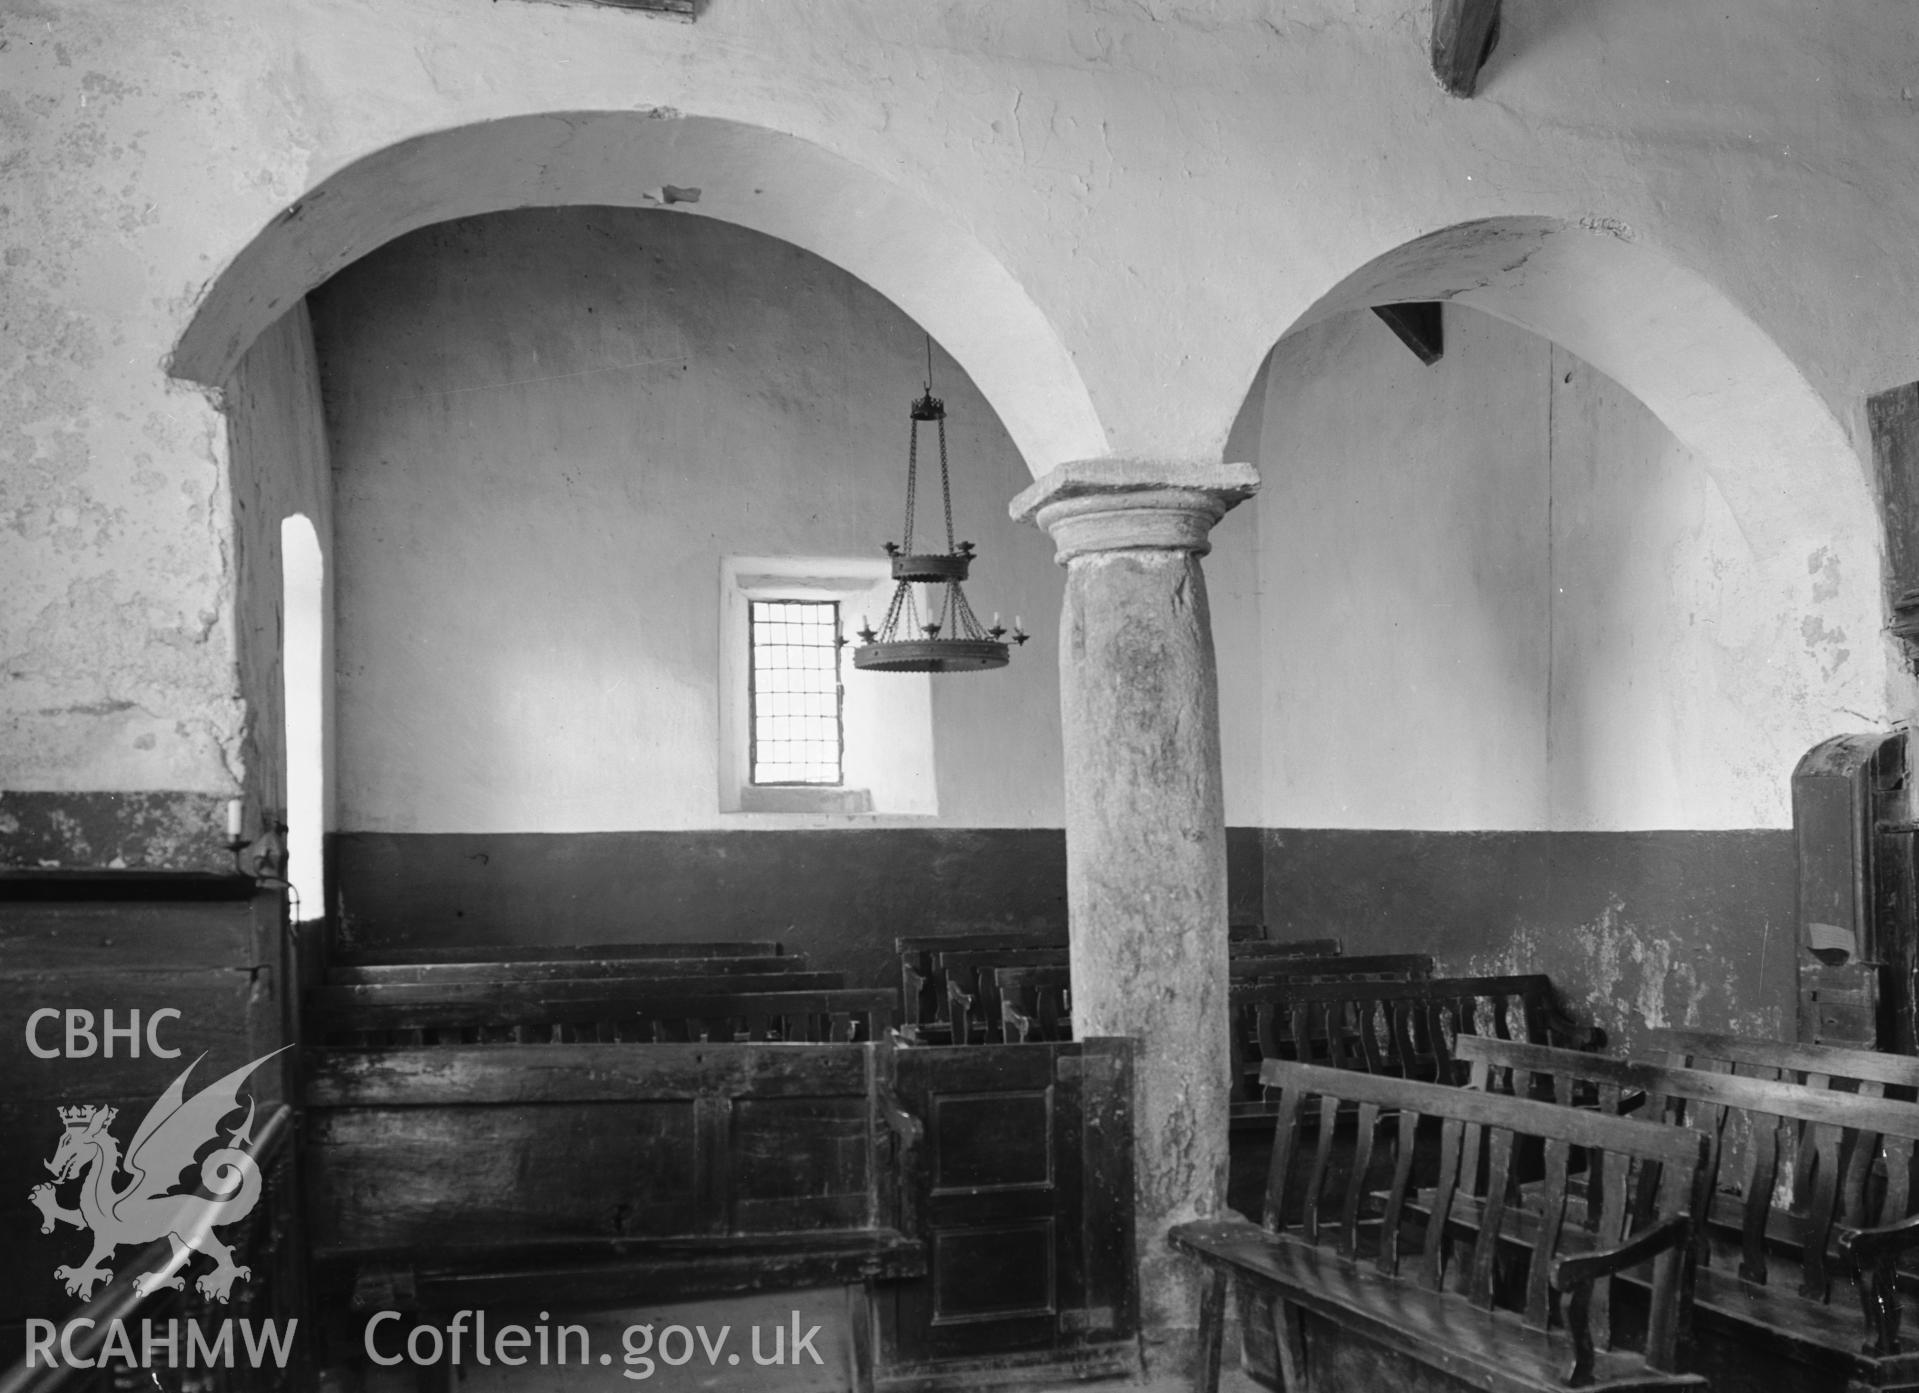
(400, 1180)
(537, 969)
(522, 952)
(1025, 1202)
(798, 1163)
(991, 1141)
(995, 1272)
(437, 1077)
(594, 1149)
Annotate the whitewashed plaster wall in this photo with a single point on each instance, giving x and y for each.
(1497, 593)
(1108, 212)
(279, 447)
(549, 428)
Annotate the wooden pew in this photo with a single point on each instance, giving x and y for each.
(1342, 1252)
(523, 952)
(923, 985)
(649, 1009)
(648, 1185)
(1035, 1001)
(924, 994)
(533, 969)
(971, 996)
(1764, 1273)
(1398, 1028)
(1819, 1066)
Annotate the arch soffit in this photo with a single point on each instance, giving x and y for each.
(1665, 334)
(786, 187)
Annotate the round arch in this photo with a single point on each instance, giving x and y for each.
(789, 188)
(1665, 334)
(1771, 631)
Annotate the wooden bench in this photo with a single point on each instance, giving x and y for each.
(1353, 1300)
(1764, 1269)
(593, 1175)
(651, 1009)
(540, 969)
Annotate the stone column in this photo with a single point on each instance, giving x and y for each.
(1146, 829)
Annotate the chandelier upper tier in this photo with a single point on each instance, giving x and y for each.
(939, 632)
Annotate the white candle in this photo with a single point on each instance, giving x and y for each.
(995, 623)
(1019, 625)
(236, 808)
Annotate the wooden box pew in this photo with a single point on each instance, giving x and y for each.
(652, 1009)
(1771, 1274)
(1399, 1028)
(525, 952)
(543, 969)
(1358, 1285)
(596, 1175)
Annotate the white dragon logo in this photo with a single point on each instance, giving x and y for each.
(167, 1141)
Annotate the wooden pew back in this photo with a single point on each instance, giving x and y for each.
(1853, 1152)
(1035, 1003)
(795, 1007)
(1396, 1028)
(1317, 1200)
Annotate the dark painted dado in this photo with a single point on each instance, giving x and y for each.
(167, 831)
(1691, 928)
(1685, 927)
(839, 896)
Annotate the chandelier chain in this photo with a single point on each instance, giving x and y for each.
(912, 481)
(946, 489)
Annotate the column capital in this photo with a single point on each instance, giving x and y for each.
(1113, 504)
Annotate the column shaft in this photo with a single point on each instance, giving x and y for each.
(1145, 829)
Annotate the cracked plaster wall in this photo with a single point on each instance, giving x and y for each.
(1168, 186)
(1543, 611)
(278, 445)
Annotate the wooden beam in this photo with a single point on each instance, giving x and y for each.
(1464, 32)
(1420, 326)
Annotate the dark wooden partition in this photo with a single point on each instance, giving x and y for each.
(1024, 1197)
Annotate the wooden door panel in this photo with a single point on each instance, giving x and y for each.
(1024, 1197)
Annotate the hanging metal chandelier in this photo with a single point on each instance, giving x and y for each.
(947, 637)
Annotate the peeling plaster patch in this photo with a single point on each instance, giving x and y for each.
(1818, 636)
(153, 831)
(1611, 227)
(1823, 566)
